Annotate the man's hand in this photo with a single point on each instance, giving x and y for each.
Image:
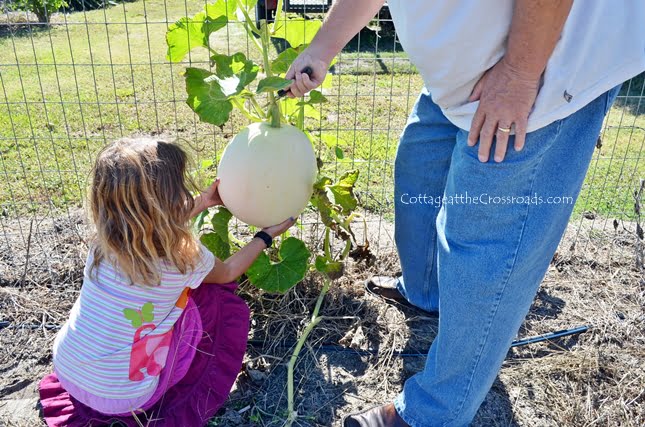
(507, 92)
(303, 83)
(343, 21)
(506, 98)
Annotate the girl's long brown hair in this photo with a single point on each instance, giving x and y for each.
(140, 205)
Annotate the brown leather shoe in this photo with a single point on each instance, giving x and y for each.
(386, 287)
(379, 416)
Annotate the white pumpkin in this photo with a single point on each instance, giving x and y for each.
(267, 174)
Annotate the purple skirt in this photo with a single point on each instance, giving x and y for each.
(191, 387)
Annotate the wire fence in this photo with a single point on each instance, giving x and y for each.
(91, 76)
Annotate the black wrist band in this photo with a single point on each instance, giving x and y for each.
(268, 240)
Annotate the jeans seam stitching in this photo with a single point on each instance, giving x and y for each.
(433, 247)
(428, 272)
(501, 292)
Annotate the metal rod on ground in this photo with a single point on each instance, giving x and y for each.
(517, 343)
(551, 335)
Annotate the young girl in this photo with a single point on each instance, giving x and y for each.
(157, 332)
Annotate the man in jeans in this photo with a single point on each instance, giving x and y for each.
(514, 99)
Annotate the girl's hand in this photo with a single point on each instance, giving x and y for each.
(234, 266)
(209, 198)
(276, 230)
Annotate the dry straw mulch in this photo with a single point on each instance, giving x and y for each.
(596, 378)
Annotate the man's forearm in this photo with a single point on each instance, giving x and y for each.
(535, 30)
(344, 20)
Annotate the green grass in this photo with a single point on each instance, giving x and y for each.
(617, 166)
(67, 91)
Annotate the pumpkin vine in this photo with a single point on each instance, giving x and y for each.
(230, 84)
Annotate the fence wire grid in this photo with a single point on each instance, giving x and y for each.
(99, 72)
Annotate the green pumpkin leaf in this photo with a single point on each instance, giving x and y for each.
(315, 97)
(188, 33)
(211, 111)
(224, 8)
(209, 93)
(274, 83)
(282, 275)
(147, 312)
(333, 269)
(335, 143)
(321, 202)
(233, 73)
(218, 241)
(197, 85)
(206, 98)
(199, 220)
(322, 183)
(290, 107)
(343, 191)
(296, 31)
(328, 82)
(281, 64)
(133, 316)
(321, 263)
(236, 67)
(332, 141)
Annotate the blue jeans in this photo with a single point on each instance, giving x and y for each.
(475, 240)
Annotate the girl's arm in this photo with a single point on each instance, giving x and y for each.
(234, 266)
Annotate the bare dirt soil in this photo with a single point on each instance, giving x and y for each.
(353, 359)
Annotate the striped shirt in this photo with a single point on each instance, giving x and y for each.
(116, 340)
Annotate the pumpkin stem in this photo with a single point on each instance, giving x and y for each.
(274, 113)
